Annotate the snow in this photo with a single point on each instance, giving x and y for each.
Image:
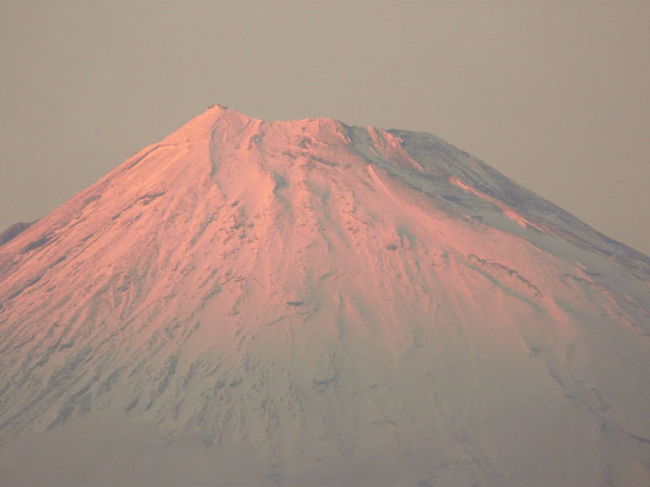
(346, 305)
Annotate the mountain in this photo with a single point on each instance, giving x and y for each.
(307, 303)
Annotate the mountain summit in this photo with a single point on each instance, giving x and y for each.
(307, 303)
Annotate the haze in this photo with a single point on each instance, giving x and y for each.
(553, 94)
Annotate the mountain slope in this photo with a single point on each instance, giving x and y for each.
(309, 303)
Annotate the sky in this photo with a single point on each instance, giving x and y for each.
(554, 94)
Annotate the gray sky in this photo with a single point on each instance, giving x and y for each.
(556, 95)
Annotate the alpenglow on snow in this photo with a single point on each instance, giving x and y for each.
(308, 303)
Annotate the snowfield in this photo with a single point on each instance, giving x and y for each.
(307, 303)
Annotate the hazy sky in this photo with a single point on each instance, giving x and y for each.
(556, 95)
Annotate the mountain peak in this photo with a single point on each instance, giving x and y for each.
(220, 118)
(202, 124)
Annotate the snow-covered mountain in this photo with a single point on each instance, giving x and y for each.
(307, 303)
